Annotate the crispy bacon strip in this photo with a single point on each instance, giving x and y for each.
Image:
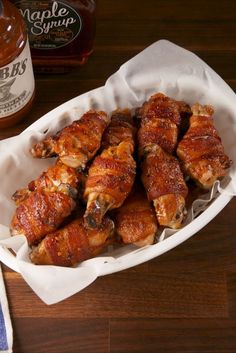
(165, 186)
(135, 220)
(77, 143)
(72, 244)
(110, 179)
(201, 149)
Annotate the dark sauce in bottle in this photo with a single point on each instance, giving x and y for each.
(17, 85)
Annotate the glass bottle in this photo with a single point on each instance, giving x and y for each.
(17, 83)
(61, 33)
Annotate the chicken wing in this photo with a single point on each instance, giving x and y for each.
(160, 121)
(201, 149)
(41, 213)
(72, 244)
(77, 143)
(165, 186)
(135, 220)
(121, 128)
(110, 179)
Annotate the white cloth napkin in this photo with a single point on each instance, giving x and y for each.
(6, 338)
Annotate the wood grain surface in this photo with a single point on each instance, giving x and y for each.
(185, 300)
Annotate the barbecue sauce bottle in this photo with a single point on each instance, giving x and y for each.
(17, 83)
(61, 33)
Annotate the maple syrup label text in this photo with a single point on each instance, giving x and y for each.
(51, 25)
(16, 84)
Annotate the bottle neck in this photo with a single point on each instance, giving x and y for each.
(12, 32)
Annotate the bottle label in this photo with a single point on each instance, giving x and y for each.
(51, 24)
(16, 83)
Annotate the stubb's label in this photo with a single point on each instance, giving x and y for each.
(51, 24)
(16, 83)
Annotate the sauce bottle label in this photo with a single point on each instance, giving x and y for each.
(16, 83)
(51, 24)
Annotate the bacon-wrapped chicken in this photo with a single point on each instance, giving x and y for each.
(46, 202)
(110, 179)
(201, 149)
(161, 174)
(160, 121)
(135, 220)
(165, 186)
(72, 244)
(57, 178)
(77, 143)
(121, 128)
(41, 213)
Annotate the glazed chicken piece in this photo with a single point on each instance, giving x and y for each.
(110, 179)
(72, 244)
(161, 175)
(201, 149)
(46, 202)
(41, 213)
(121, 128)
(77, 143)
(135, 220)
(161, 118)
(165, 186)
(57, 178)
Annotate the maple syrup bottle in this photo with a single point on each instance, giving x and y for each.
(17, 83)
(61, 33)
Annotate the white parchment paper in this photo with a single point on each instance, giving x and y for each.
(162, 67)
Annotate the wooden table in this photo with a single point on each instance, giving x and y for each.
(185, 300)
